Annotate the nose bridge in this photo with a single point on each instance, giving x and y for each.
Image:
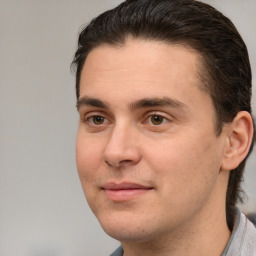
(122, 146)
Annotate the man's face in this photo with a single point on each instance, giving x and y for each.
(148, 156)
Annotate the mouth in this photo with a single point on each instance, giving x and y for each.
(124, 191)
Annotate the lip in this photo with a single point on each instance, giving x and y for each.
(124, 191)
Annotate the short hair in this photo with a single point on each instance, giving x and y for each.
(226, 72)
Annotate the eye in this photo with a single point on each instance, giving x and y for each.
(157, 119)
(96, 120)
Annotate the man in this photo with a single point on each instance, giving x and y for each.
(163, 93)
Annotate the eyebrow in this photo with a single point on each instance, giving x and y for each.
(142, 103)
(87, 101)
(158, 102)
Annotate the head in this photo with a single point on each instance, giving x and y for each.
(224, 72)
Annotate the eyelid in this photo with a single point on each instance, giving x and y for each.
(90, 114)
(159, 113)
(84, 116)
(167, 118)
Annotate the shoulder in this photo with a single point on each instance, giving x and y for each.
(248, 245)
(243, 239)
(118, 252)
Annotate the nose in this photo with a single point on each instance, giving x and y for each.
(122, 148)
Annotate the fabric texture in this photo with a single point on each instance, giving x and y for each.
(118, 252)
(243, 238)
(241, 243)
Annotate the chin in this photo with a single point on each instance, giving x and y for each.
(128, 235)
(128, 229)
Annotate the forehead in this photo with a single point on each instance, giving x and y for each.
(149, 65)
(143, 54)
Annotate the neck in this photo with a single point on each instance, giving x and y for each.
(205, 238)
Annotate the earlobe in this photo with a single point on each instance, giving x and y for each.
(239, 139)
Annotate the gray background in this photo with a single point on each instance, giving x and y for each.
(42, 207)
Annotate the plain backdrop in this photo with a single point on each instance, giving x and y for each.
(42, 207)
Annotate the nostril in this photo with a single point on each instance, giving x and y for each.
(120, 152)
(119, 164)
(125, 162)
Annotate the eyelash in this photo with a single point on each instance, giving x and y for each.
(90, 120)
(157, 116)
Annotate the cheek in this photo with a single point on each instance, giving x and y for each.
(88, 155)
(185, 166)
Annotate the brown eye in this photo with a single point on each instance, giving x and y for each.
(157, 120)
(97, 120)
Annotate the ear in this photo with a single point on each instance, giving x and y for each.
(239, 139)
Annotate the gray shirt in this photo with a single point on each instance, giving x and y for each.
(243, 238)
(241, 243)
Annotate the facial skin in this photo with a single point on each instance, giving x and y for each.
(148, 156)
